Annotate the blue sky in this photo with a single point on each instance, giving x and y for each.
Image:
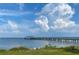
(39, 19)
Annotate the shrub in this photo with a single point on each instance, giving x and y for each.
(49, 47)
(20, 48)
(71, 49)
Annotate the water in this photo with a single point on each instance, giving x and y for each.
(11, 43)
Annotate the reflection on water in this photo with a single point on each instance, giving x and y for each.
(10, 43)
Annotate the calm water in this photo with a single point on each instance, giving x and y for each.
(10, 43)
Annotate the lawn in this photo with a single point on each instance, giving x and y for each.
(47, 50)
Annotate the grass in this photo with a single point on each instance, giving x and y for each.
(47, 50)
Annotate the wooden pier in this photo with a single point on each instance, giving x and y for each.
(57, 39)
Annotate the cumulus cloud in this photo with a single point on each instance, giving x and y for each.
(43, 22)
(61, 10)
(65, 9)
(59, 17)
(61, 23)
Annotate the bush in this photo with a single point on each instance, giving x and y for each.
(19, 48)
(49, 47)
(71, 49)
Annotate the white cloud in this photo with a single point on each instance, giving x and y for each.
(21, 5)
(61, 24)
(59, 17)
(7, 12)
(61, 10)
(43, 22)
(13, 26)
(9, 27)
(65, 9)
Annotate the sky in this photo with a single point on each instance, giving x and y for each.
(39, 19)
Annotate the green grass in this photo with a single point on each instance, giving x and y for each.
(47, 50)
